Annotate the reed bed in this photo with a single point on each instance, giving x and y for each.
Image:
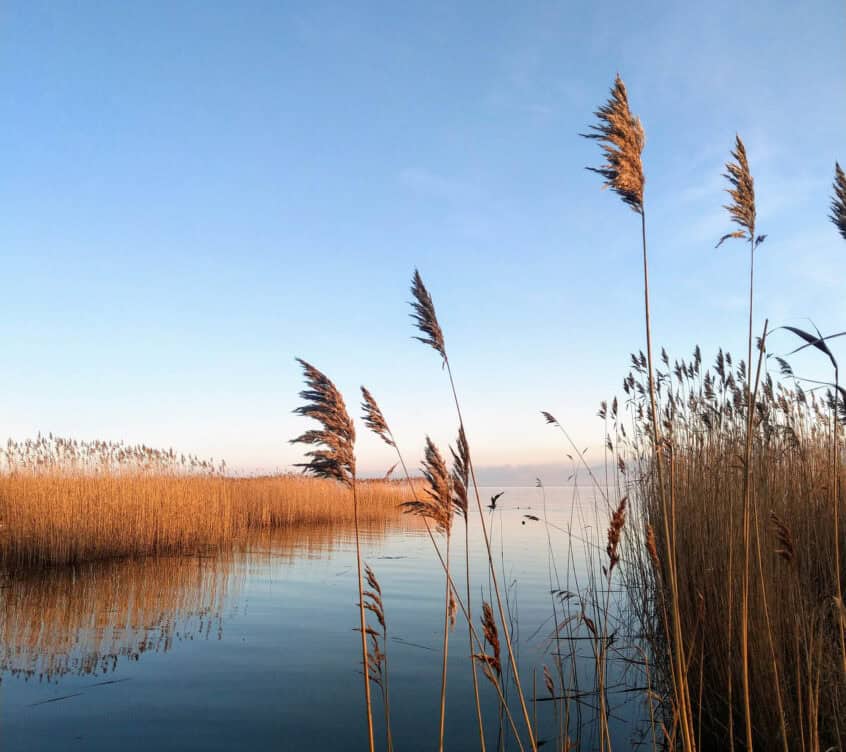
(797, 686)
(65, 510)
(734, 563)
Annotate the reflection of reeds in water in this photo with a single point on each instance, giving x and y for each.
(82, 620)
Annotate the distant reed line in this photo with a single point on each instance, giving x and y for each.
(54, 516)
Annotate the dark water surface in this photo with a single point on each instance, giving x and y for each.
(256, 650)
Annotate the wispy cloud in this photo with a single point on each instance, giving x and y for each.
(440, 187)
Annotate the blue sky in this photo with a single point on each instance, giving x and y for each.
(193, 193)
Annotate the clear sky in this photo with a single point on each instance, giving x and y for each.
(192, 193)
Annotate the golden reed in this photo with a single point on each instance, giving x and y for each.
(61, 517)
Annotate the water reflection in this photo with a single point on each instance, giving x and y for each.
(255, 648)
(83, 620)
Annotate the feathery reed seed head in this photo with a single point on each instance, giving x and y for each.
(324, 403)
(423, 313)
(374, 419)
(622, 139)
(784, 538)
(373, 596)
(742, 192)
(438, 505)
(838, 200)
(453, 609)
(651, 547)
(460, 473)
(491, 662)
(618, 520)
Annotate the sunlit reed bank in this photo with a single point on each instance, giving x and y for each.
(107, 501)
(797, 687)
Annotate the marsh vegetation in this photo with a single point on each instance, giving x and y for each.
(711, 587)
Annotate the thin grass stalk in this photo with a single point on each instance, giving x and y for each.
(776, 673)
(375, 420)
(729, 626)
(427, 323)
(448, 592)
(678, 645)
(747, 503)
(841, 622)
(470, 634)
(622, 138)
(505, 630)
(438, 506)
(465, 609)
(363, 621)
(334, 458)
(379, 660)
(838, 217)
(743, 213)
(389, 736)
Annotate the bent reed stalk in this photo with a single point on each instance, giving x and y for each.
(333, 458)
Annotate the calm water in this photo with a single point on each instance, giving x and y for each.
(257, 650)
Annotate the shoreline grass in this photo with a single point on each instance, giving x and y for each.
(58, 515)
(793, 668)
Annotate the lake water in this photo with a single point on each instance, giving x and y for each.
(256, 649)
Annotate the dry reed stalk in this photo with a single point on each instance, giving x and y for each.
(743, 213)
(762, 579)
(838, 218)
(437, 508)
(615, 529)
(792, 441)
(622, 139)
(375, 420)
(334, 458)
(378, 667)
(425, 318)
(460, 485)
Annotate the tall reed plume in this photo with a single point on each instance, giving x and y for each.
(743, 213)
(838, 218)
(334, 457)
(622, 139)
(838, 201)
